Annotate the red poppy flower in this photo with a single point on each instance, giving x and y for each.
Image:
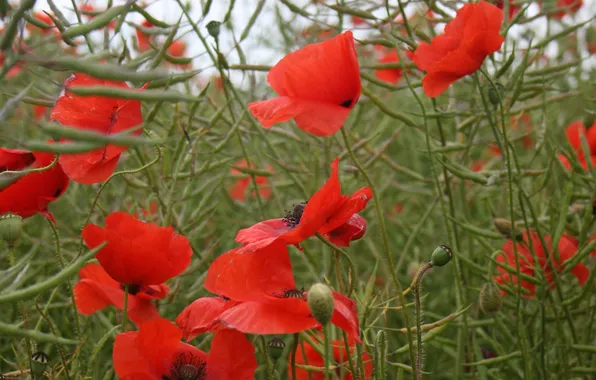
(13, 71)
(97, 290)
(268, 301)
(311, 357)
(46, 19)
(460, 50)
(155, 352)
(513, 9)
(327, 212)
(98, 114)
(177, 50)
(89, 11)
(143, 38)
(238, 191)
(33, 192)
(39, 111)
(202, 316)
(564, 6)
(318, 86)
(591, 39)
(522, 122)
(138, 253)
(357, 20)
(317, 32)
(389, 75)
(573, 133)
(567, 247)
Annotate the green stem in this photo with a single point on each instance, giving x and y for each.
(326, 346)
(417, 289)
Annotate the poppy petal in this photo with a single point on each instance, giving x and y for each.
(345, 315)
(287, 316)
(262, 234)
(581, 272)
(276, 110)
(355, 203)
(232, 356)
(352, 230)
(129, 362)
(199, 316)
(81, 169)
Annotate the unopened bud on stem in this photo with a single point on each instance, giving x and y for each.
(10, 228)
(321, 303)
(491, 299)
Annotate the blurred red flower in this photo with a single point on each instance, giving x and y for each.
(238, 191)
(31, 193)
(97, 114)
(138, 253)
(522, 123)
(318, 86)
(327, 212)
(388, 75)
(567, 247)
(460, 50)
(310, 356)
(573, 133)
(155, 352)
(513, 9)
(13, 71)
(357, 20)
(317, 32)
(177, 50)
(97, 290)
(143, 38)
(564, 6)
(266, 297)
(39, 111)
(90, 11)
(46, 19)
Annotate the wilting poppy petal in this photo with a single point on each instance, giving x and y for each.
(232, 356)
(138, 253)
(31, 193)
(345, 315)
(318, 85)
(352, 230)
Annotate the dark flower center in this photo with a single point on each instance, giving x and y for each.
(291, 293)
(292, 218)
(133, 289)
(187, 367)
(346, 104)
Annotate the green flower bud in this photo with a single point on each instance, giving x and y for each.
(276, 348)
(213, 27)
(39, 363)
(491, 299)
(495, 94)
(505, 228)
(10, 228)
(321, 303)
(441, 256)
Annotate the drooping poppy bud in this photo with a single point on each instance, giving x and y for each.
(491, 300)
(441, 256)
(321, 303)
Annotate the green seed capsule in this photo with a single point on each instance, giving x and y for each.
(10, 228)
(39, 363)
(276, 348)
(321, 303)
(441, 256)
(214, 27)
(494, 94)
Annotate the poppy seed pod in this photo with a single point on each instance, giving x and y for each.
(496, 93)
(10, 228)
(321, 303)
(39, 363)
(276, 348)
(214, 27)
(490, 299)
(441, 256)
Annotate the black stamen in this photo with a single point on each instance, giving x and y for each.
(132, 288)
(187, 367)
(346, 104)
(292, 218)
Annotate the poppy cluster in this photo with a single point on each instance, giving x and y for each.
(467, 40)
(534, 257)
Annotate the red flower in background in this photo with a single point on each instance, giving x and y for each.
(13, 71)
(523, 123)
(388, 75)
(358, 20)
(573, 133)
(177, 50)
(90, 11)
(318, 86)
(238, 191)
(266, 297)
(31, 193)
(467, 40)
(97, 114)
(155, 352)
(143, 39)
(567, 247)
(97, 290)
(202, 315)
(46, 19)
(327, 212)
(565, 6)
(317, 32)
(310, 356)
(40, 111)
(513, 9)
(138, 253)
